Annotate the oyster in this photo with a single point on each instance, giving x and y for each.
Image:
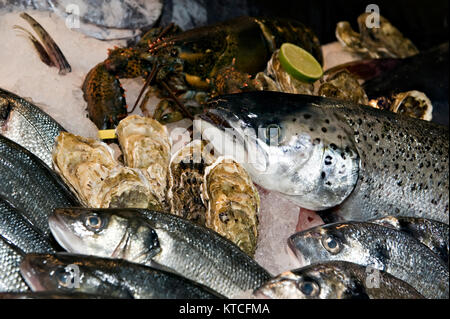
(232, 203)
(99, 181)
(344, 86)
(385, 41)
(146, 146)
(187, 169)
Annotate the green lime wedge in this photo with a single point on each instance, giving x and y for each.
(299, 63)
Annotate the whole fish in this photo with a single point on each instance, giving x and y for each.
(322, 153)
(101, 276)
(16, 229)
(145, 237)
(10, 259)
(431, 233)
(27, 125)
(30, 186)
(379, 247)
(336, 280)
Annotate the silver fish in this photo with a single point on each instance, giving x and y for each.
(27, 125)
(376, 246)
(431, 233)
(146, 237)
(10, 259)
(322, 153)
(30, 186)
(336, 280)
(101, 276)
(16, 229)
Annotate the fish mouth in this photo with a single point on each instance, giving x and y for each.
(60, 231)
(31, 271)
(295, 253)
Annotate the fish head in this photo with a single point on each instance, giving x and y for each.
(5, 110)
(287, 143)
(319, 281)
(327, 243)
(112, 233)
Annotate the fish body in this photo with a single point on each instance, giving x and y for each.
(30, 186)
(113, 277)
(379, 247)
(149, 237)
(336, 280)
(323, 153)
(27, 125)
(431, 233)
(17, 230)
(10, 259)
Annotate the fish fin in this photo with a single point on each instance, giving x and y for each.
(43, 55)
(52, 49)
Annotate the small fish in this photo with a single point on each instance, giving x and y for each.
(30, 186)
(101, 276)
(431, 233)
(323, 153)
(379, 247)
(146, 237)
(10, 259)
(336, 280)
(27, 125)
(17, 230)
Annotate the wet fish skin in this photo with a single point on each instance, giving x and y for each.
(146, 237)
(380, 247)
(27, 125)
(16, 229)
(50, 295)
(431, 233)
(10, 259)
(30, 186)
(112, 277)
(335, 280)
(394, 165)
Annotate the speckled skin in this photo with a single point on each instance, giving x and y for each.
(27, 125)
(337, 280)
(400, 165)
(10, 259)
(377, 246)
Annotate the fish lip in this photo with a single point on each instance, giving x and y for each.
(295, 252)
(57, 228)
(30, 274)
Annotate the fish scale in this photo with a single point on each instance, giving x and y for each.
(30, 186)
(28, 126)
(10, 259)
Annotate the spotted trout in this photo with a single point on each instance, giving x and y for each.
(325, 154)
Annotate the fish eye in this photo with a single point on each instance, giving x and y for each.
(309, 288)
(331, 244)
(64, 278)
(273, 133)
(93, 222)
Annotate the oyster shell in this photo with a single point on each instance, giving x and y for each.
(187, 169)
(342, 85)
(146, 146)
(385, 41)
(232, 203)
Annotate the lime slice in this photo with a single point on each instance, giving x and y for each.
(299, 63)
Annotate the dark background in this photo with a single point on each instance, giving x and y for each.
(425, 22)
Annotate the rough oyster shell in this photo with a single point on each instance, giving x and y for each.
(342, 85)
(146, 145)
(187, 169)
(232, 203)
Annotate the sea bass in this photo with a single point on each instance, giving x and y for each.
(30, 186)
(431, 233)
(322, 153)
(16, 229)
(145, 237)
(379, 247)
(27, 125)
(10, 259)
(113, 277)
(336, 280)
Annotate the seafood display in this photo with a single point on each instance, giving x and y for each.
(241, 159)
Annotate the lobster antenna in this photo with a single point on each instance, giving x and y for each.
(183, 108)
(146, 84)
